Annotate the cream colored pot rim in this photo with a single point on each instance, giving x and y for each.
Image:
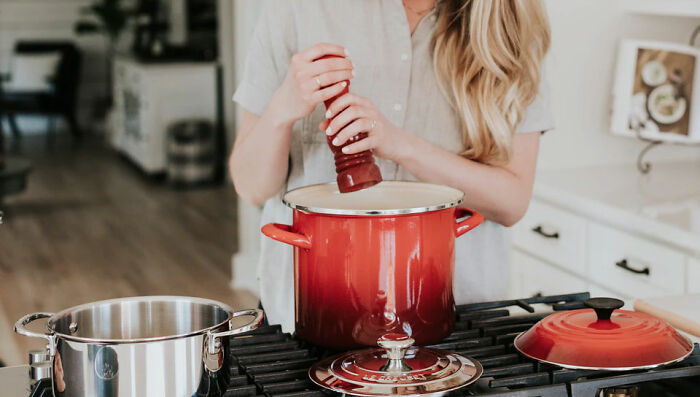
(385, 198)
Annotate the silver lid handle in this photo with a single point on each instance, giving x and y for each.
(396, 346)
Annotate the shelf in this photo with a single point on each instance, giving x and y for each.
(674, 8)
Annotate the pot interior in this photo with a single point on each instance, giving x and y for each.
(385, 198)
(140, 318)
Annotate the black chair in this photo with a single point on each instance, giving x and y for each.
(14, 171)
(61, 101)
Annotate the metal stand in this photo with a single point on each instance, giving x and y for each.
(642, 166)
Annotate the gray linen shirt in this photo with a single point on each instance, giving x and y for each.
(393, 69)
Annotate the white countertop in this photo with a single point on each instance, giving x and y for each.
(663, 205)
(685, 308)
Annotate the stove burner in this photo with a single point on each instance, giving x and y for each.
(42, 388)
(269, 363)
(622, 391)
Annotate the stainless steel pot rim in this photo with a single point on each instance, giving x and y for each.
(105, 341)
(383, 212)
(641, 367)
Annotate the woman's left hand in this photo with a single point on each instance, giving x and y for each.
(359, 114)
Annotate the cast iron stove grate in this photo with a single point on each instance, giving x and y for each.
(270, 363)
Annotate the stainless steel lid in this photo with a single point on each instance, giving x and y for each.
(385, 198)
(395, 369)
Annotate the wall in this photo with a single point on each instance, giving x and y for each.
(585, 34)
(52, 20)
(244, 262)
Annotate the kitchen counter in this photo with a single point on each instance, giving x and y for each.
(15, 381)
(663, 205)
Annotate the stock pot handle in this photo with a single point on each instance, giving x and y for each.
(283, 233)
(21, 328)
(468, 224)
(213, 337)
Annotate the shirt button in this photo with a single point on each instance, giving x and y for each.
(404, 57)
(397, 107)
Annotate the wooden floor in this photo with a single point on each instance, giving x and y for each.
(92, 227)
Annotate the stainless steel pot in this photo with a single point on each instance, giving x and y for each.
(141, 346)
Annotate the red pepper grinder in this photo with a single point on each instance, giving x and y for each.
(355, 171)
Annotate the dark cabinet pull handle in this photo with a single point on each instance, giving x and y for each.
(538, 229)
(623, 264)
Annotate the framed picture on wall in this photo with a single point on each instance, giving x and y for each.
(656, 94)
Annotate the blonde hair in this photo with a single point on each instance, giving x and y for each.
(487, 56)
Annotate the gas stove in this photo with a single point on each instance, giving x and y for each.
(268, 362)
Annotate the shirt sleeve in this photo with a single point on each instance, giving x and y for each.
(269, 54)
(538, 116)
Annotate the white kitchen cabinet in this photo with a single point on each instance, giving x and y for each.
(531, 276)
(554, 235)
(612, 231)
(597, 290)
(643, 267)
(149, 97)
(693, 279)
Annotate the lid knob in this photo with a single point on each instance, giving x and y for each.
(396, 346)
(603, 306)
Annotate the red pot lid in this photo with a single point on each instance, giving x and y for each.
(604, 338)
(395, 369)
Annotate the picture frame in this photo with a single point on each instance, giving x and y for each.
(656, 94)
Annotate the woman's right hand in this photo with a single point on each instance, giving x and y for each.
(311, 80)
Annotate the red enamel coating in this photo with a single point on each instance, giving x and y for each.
(280, 232)
(468, 224)
(366, 276)
(577, 338)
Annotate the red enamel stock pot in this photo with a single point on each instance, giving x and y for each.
(604, 338)
(374, 261)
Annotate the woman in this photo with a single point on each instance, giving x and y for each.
(449, 91)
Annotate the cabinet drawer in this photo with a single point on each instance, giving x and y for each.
(530, 276)
(634, 266)
(693, 285)
(553, 234)
(598, 291)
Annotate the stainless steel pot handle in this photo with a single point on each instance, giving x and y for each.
(213, 340)
(20, 328)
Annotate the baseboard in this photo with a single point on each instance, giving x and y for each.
(244, 272)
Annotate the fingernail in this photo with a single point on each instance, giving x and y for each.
(329, 132)
(336, 142)
(344, 84)
(347, 53)
(345, 150)
(328, 115)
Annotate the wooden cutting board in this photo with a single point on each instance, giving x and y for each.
(682, 311)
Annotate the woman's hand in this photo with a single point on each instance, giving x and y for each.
(352, 114)
(311, 80)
